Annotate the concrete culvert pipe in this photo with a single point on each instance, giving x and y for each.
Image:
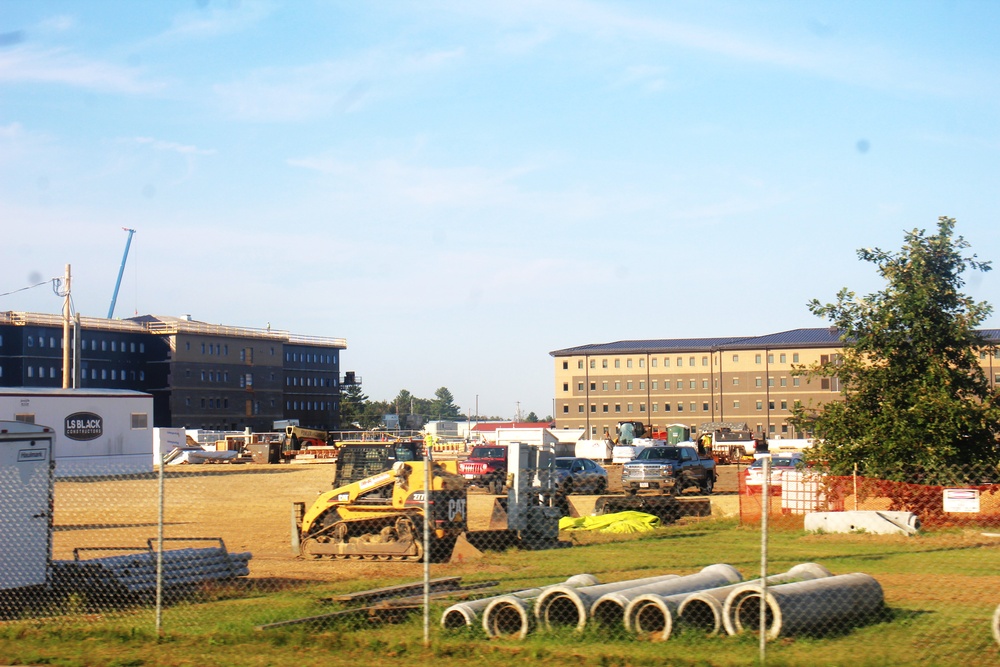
(820, 605)
(655, 616)
(563, 606)
(464, 614)
(996, 624)
(608, 611)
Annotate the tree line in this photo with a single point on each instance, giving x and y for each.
(357, 410)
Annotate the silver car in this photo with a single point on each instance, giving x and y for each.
(578, 475)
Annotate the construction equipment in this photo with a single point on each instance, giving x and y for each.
(363, 521)
(121, 270)
(297, 437)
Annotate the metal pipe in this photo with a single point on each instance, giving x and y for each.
(464, 614)
(654, 616)
(609, 610)
(821, 605)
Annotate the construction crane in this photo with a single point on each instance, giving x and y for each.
(118, 283)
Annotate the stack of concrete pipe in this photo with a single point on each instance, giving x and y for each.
(807, 598)
(464, 614)
(817, 605)
(654, 616)
(608, 611)
(511, 616)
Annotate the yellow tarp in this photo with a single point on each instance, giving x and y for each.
(619, 522)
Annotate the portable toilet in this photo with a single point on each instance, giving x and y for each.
(26, 484)
(677, 433)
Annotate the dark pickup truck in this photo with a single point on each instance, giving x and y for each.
(668, 470)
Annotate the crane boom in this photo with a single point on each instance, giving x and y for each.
(118, 283)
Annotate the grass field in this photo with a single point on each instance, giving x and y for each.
(940, 590)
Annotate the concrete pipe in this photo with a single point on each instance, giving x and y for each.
(608, 611)
(562, 606)
(996, 624)
(819, 605)
(464, 614)
(654, 616)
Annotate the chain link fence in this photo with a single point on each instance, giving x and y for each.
(740, 576)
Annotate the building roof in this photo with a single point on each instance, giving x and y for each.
(813, 337)
(490, 427)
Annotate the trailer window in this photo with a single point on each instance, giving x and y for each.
(25, 418)
(140, 420)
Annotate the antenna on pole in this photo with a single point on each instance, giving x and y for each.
(118, 283)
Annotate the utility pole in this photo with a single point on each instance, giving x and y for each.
(67, 371)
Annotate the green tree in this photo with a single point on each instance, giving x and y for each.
(352, 405)
(443, 406)
(532, 417)
(915, 396)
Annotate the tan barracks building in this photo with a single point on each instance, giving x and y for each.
(698, 380)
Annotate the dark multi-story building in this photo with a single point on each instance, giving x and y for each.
(200, 375)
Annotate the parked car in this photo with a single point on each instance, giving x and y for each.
(574, 475)
(753, 477)
(486, 466)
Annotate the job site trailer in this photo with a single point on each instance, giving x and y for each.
(25, 504)
(97, 431)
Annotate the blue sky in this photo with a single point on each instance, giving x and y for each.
(459, 188)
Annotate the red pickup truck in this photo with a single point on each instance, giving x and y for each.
(486, 466)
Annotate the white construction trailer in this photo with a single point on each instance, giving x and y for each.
(97, 431)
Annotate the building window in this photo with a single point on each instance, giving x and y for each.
(593, 363)
(653, 406)
(666, 362)
(690, 361)
(736, 358)
(757, 359)
(565, 365)
(652, 362)
(736, 382)
(784, 382)
(618, 385)
(618, 407)
(704, 407)
(693, 407)
(654, 385)
(795, 357)
(565, 386)
(760, 405)
(579, 408)
(628, 363)
(666, 407)
(31, 371)
(579, 386)
(593, 386)
(604, 363)
(642, 363)
(579, 363)
(782, 358)
(565, 409)
(770, 405)
(593, 407)
(770, 358)
(642, 385)
(758, 382)
(604, 408)
(628, 407)
(628, 386)
(680, 384)
(680, 361)
(704, 361)
(704, 384)
(680, 407)
(692, 384)
(784, 405)
(770, 382)
(736, 405)
(604, 386)
(795, 382)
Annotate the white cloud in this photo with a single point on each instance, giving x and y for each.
(172, 147)
(214, 20)
(59, 66)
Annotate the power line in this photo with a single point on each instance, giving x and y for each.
(44, 282)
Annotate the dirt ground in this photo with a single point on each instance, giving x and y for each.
(248, 506)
